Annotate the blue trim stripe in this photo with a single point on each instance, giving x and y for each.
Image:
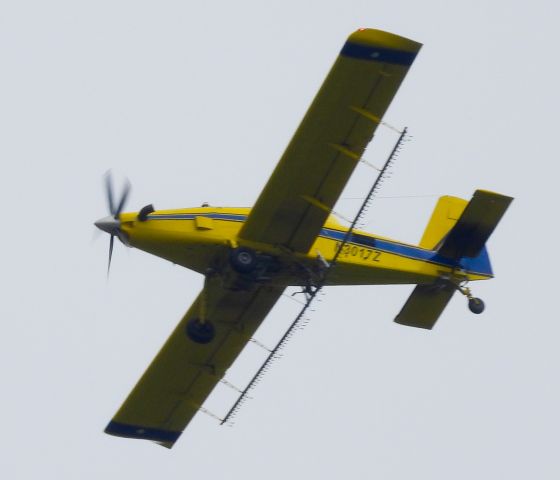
(480, 264)
(144, 433)
(191, 216)
(378, 54)
(385, 246)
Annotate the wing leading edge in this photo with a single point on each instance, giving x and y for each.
(295, 203)
(184, 373)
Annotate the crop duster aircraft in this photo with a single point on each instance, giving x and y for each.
(248, 256)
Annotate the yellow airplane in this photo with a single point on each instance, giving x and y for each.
(248, 256)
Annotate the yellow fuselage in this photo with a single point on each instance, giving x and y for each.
(200, 239)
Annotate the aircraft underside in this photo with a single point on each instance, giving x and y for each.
(290, 237)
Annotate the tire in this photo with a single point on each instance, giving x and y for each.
(476, 305)
(243, 260)
(200, 332)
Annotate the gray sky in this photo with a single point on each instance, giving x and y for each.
(196, 103)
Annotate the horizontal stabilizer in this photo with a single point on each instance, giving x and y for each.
(425, 304)
(475, 225)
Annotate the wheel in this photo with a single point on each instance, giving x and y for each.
(200, 332)
(476, 305)
(243, 260)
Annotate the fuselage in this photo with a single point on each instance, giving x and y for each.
(200, 239)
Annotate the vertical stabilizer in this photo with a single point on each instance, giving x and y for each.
(445, 215)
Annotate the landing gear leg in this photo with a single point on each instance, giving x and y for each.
(476, 305)
(199, 329)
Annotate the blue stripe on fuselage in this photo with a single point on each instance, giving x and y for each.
(479, 264)
(232, 217)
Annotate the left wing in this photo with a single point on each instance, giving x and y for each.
(184, 373)
(296, 201)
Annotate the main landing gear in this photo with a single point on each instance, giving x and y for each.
(200, 331)
(243, 260)
(253, 266)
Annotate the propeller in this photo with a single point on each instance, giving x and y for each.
(111, 224)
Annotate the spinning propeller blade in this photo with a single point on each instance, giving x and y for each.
(111, 243)
(124, 198)
(109, 191)
(111, 224)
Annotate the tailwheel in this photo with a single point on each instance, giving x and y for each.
(476, 305)
(243, 260)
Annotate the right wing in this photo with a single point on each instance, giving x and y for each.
(184, 373)
(296, 201)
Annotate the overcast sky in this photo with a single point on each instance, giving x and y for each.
(195, 102)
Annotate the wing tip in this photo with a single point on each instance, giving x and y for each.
(379, 46)
(381, 38)
(480, 192)
(415, 322)
(166, 438)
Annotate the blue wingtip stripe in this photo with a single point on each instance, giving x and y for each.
(144, 433)
(378, 54)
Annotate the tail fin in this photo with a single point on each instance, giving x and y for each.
(457, 230)
(444, 217)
